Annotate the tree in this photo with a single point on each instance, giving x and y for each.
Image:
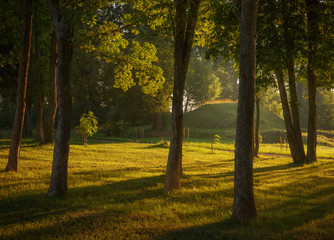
(38, 91)
(244, 204)
(95, 34)
(312, 8)
(185, 23)
(201, 83)
(64, 36)
(52, 96)
(14, 153)
(88, 125)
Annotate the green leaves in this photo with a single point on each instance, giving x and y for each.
(88, 125)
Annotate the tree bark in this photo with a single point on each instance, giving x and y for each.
(184, 35)
(157, 121)
(294, 105)
(244, 204)
(27, 132)
(297, 155)
(312, 26)
(257, 128)
(14, 152)
(39, 100)
(58, 185)
(52, 96)
(39, 115)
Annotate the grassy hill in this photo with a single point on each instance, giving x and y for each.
(220, 118)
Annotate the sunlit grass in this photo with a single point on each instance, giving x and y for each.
(116, 192)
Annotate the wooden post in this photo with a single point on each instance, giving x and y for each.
(287, 143)
(281, 143)
(188, 134)
(143, 132)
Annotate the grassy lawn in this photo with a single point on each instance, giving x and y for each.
(116, 192)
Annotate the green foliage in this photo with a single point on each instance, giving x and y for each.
(88, 125)
(201, 84)
(110, 43)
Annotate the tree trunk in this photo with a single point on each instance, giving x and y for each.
(14, 153)
(27, 132)
(244, 204)
(296, 154)
(257, 128)
(39, 114)
(312, 26)
(52, 97)
(39, 100)
(157, 121)
(58, 185)
(184, 34)
(294, 105)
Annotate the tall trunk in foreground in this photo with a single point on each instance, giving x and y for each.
(184, 34)
(14, 152)
(58, 185)
(257, 128)
(39, 100)
(312, 26)
(52, 97)
(297, 154)
(244, 204)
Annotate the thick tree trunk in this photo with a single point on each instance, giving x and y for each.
(244, 204)
(27, 131)
(52, 97)
(312, 26)
(294, 105)
(257, 128)
(297, 155)
(14, 153)
(184, 34)
(58, 185)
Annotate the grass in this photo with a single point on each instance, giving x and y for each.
(116, 192)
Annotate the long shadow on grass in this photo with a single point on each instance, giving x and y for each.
(226, 229)
(289, 166)
(36, 206)
(26, 143)
(301, 209)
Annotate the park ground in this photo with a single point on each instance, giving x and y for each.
(116, 192)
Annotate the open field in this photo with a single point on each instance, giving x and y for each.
(116, 192)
